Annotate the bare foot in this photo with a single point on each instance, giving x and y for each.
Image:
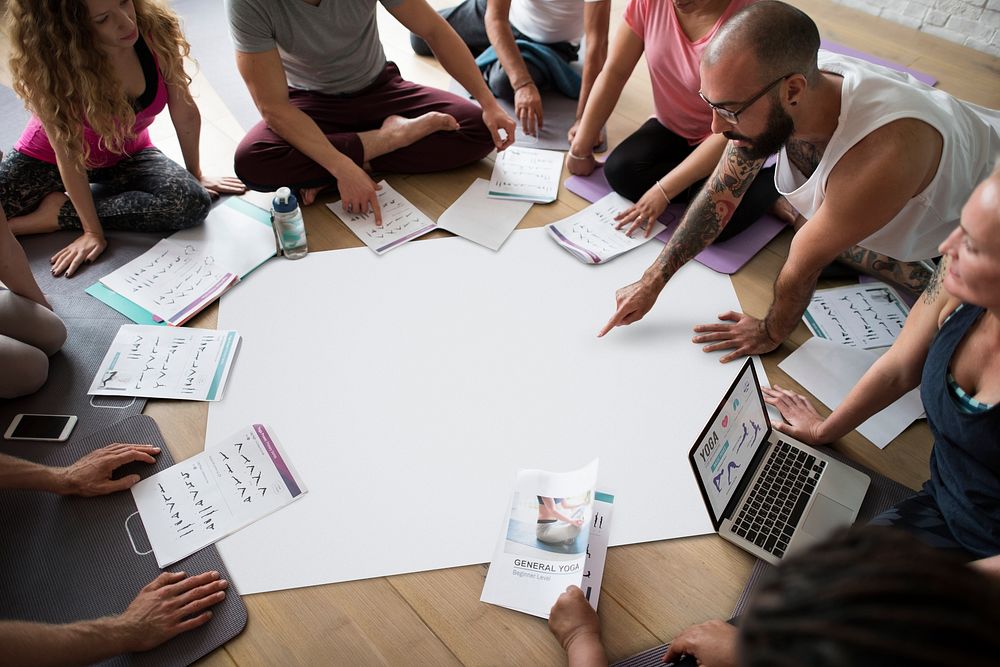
(308, 195)
(43, 219)
(400, 132)
(785, 212)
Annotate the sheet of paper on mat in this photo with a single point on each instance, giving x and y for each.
(184, 273)
(212, 494)
(867, 316)
(161, 362)
(526, 174)
(544, 540)
(481, 219)
(401, 221)
(420, 391)
(591, 235)
(829, 371)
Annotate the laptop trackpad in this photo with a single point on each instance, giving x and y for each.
(826, 516)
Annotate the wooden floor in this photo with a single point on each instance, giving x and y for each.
(651, 591)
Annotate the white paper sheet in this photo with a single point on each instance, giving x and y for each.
(182, 274)
(426, 386)
(527, 174)
(597, 547)
(401, 221)
(829, 371)
(160, 362)
(590, 235)
(215, 493)
(477, 217)
(867, 316)
(543, 541)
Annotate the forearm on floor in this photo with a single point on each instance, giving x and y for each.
(46, 645)
(16, 473)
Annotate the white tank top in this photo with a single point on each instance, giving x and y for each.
(873, 96)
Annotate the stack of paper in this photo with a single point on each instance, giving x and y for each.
(867, 316)
(213, 494)
(591, 234)
(184, 273)
(157, 362)
(555, 534)
(527, 174)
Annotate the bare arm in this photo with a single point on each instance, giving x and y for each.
(91, 475)
(710, 211)
(91, 242)
(497, 20)
(15, 272)
(596, 22)
(418, 17)
(169, 605)
(186, 119)
(626, 50)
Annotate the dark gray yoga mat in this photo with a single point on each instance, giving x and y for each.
(882, 494)
(91, 326)
(68, 559)
(207, 29)
(14, 116)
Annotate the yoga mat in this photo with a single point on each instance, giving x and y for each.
(91, 326)
(558, 115)
(882, 494)
(207, 30)
(70, 558)
(834, 47)
(726, 257)
(15, 117)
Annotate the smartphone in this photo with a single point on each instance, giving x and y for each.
(50, 428)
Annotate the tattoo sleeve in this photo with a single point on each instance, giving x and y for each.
(913, 276)
(936, 283)
(710, 211)
(791, 297)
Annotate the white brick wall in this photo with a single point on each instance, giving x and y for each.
(973, 23)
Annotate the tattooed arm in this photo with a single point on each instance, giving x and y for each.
(705, 218)
(914, 276)
(895, 373)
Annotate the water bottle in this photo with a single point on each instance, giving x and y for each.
(286, 217)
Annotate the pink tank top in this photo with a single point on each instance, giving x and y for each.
(34, 142)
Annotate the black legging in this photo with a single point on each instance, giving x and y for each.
(652, 151)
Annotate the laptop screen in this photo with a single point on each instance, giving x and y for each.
(724, 452)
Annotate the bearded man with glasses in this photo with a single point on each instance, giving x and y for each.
(877, 164)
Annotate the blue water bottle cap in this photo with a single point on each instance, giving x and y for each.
(284, 201)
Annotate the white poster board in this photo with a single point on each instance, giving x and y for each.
(409, 389)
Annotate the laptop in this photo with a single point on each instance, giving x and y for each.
(766, 492)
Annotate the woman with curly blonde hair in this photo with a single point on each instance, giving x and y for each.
(94, 74)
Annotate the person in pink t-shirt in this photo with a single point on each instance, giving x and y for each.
(95, 73)
(669, 157)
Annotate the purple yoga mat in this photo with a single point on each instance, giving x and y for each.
(724, 257)
(854, 53)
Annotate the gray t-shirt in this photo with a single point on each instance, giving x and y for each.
(331, 48)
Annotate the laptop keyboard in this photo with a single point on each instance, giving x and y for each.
(775, 504)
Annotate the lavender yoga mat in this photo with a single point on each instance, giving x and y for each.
(854, 53)
(723, 257)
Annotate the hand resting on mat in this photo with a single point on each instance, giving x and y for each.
(91, 475)
(169, 605)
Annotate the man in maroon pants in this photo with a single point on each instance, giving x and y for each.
(332, 105)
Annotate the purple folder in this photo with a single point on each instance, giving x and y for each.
(724, 256)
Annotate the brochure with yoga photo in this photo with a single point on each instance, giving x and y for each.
(555, 534)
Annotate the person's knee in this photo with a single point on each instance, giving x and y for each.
(420, 47)
(26, 368)
(251, 167)
(51, 333)
(622, 176)
(499, 82)
(192, 204)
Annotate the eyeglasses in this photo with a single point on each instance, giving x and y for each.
(733, 117)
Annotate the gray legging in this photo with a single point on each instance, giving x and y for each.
(29, 335)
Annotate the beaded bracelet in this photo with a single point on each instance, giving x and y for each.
(574, 156)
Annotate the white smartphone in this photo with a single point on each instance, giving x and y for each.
(50, 428)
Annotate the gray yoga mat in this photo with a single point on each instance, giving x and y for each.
(91, 326)
(14, 116)
(68, 559)
(882, 494)
(207, 29)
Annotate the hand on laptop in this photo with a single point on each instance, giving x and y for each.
(802, 421)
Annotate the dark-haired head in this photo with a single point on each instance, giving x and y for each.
(873, 596)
